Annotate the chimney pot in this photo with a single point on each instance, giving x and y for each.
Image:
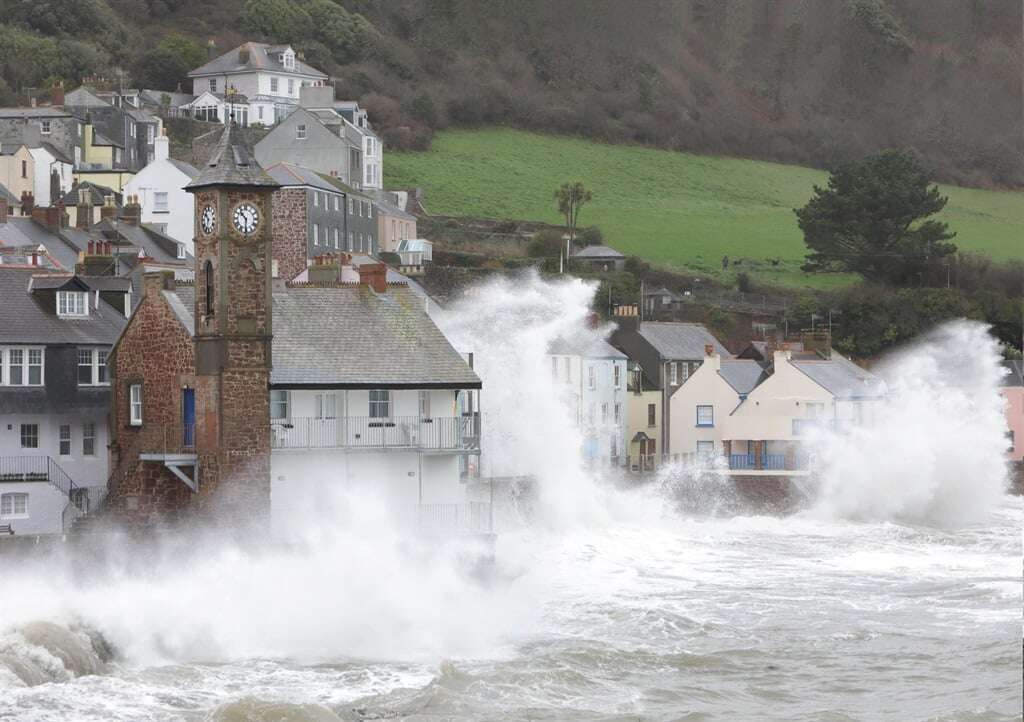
(91, 248)
(709, 350)
(374, 275)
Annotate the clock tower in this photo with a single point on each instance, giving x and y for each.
(233, 331)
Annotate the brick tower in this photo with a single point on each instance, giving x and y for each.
(233, 332)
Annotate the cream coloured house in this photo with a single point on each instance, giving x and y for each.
(757, 415)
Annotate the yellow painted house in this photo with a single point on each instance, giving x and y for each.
(100, 155)
(17, 172)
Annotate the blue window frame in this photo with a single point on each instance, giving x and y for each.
(705, 415)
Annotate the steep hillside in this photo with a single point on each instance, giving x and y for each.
(806, 81)
(674, 209)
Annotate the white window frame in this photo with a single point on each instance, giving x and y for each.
(135, 404)
(161, 202)
(706, 416)
(33, 434)
(618, 413)
(150, 134)
(9, 505)
(424, 403)
(300, 132)
(604, 412)
(673, 373)
(72, 304)
(379, 401)
(337, 203)
(280, 399)
(326, 405)
(316, 198)
(591, 377)
(291, 86)
(88, 438)
(316, 234)
(182, 254)
(45, 127)
(274, 85)
(685, 371)
(64, 440)
(27, 355)
(617, 376)
(97, 363)
(554, 368)
(705, 448)
(213, 85)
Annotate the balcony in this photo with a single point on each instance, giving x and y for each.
(458, 434)
(795, 461)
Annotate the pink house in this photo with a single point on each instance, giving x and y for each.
(1013, 390)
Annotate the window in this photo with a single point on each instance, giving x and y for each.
(705, 448)
(815, 410)
(652, 415)
(135, 404)
(350, 237)
(291, 87)
(35, 367)
(685, 371)
(160, 202)
(278, 404)
(30, 436)
(380, 403)
(604, 413)
(350, 208)
(316, 234)
(213, 85)
(337, 203)
(369, 147)
(369, 210)
(554, 368)
(15, 367)
(89, 439)
(65, 440)
(44, 127)
(273, 85)
(92, 366)
(72, 303)
(259, 112)
(618, 413)
(300, 131)
(617, 376)
(316, 199)
(337, 235)
(705, 415)
(326, 406)
(181, 251)
(359, 208)
(208, 278)
(591, 377)
(424, 404)
(673, 374)
(150, 134)
(13, 505)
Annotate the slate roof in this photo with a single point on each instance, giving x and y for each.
(840, 376)
(107, 283)
(1014, 373)
(232, 163)
(97, 191)
(586, 346)
(31, 318)
(187, 168)
(351, 336)
(742, 375)
(154, 97)
(390, 209)
(39, 112)
(597, 252)
(56, 152)
(289, 174)
(261, 57)
(12, 200)
(674, 340)
(23, 231)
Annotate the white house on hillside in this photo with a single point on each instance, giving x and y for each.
(592, 377)
(48, 159)
(267, 78)
(160, 188)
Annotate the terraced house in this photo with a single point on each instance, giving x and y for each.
(56, 330)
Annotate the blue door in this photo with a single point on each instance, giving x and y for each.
(188, 418)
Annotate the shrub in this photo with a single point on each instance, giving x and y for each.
(545, 244)
(392, 259)
(743, 283)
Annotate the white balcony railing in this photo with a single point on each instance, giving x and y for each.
(453, 433)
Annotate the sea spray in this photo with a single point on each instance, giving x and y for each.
(933, 450)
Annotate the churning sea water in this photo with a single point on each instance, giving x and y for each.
(684, 618)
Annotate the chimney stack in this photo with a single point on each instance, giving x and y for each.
(709, 350)
(132, 211)
(162, 146)
(97, 260)
(374, 275)
(28, 203)
(108, 209)
(83, 213)
(57, 97)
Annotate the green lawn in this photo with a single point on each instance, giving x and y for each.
(674, 209)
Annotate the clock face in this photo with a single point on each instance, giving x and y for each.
(246, 217)
(208, 220)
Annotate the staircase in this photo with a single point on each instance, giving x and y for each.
(80, 499)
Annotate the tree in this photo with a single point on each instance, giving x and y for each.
(571, 197)
(167, 64)
(872, 220)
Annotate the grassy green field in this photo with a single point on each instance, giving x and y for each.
(675, 210)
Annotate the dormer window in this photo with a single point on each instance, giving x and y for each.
(72, 303)
(181, 251)
(288, 60)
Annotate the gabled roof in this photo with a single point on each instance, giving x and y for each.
(1014, 373)
(39, 112)
(155, 97)
(11, 199)
(349, 335)
(674, 340)
(597, 252)
(259, 56)
(84, 97)
(742, 375)
(31, 317)
(187, 168)
(840, 376)
(289, 174)
(233, 164)
(387, 208)
(97, 192)
(56, 152)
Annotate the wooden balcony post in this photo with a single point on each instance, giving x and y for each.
(759, 455)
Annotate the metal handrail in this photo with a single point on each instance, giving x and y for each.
(435, 433)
